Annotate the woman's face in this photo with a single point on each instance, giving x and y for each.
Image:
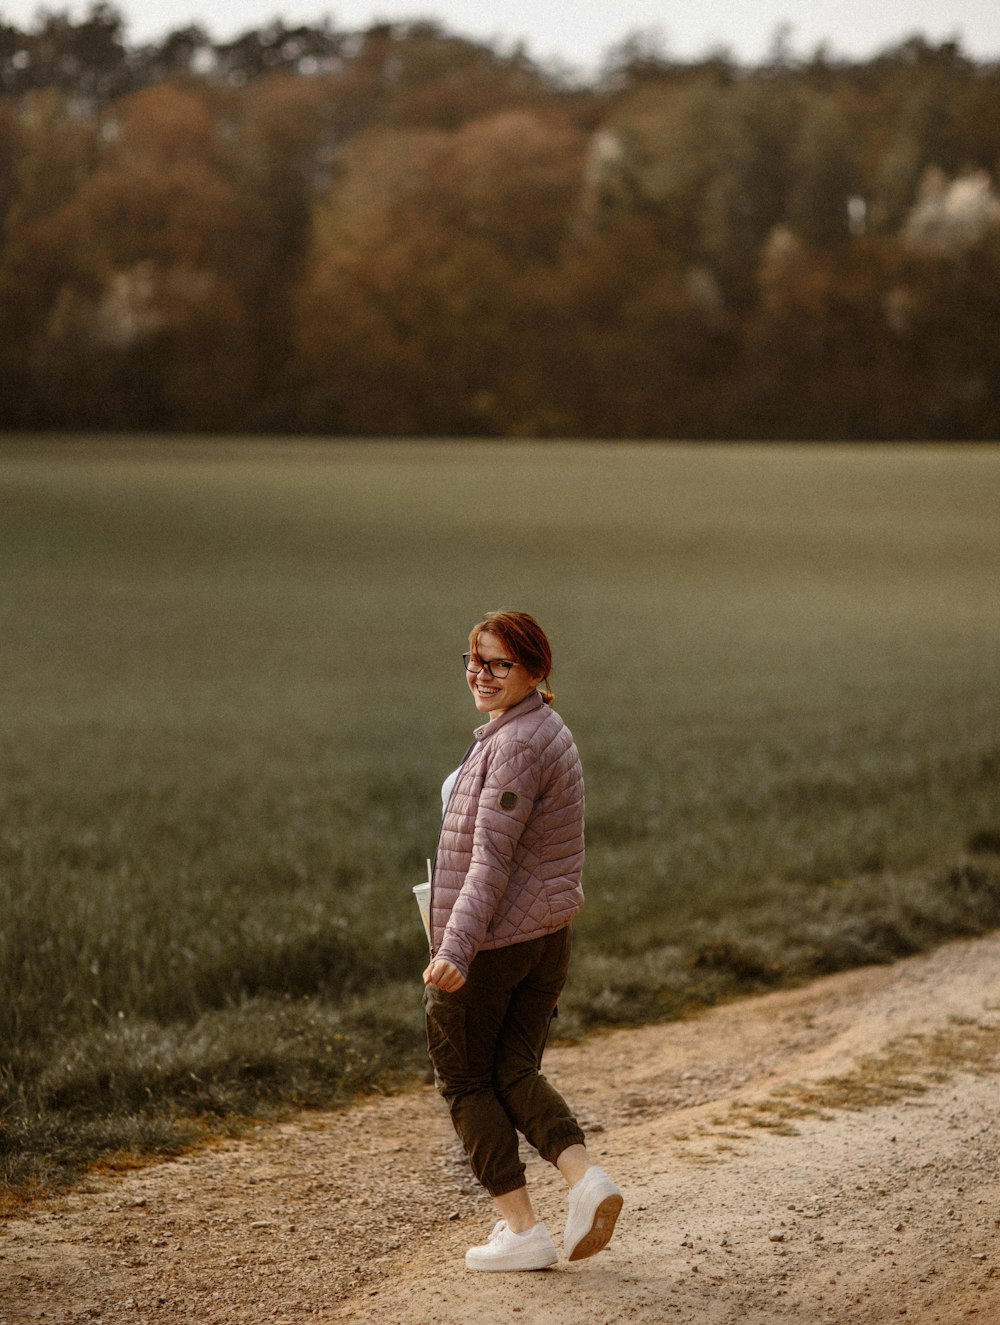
(494, 694)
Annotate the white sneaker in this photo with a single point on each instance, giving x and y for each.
(594, 1206)
(507, 1250)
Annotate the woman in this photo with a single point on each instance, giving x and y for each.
(505, 887)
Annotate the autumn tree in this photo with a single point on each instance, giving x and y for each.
(406, 314)
(87, 60)
(946, 304)
(824, 172)
(657, 154)
(52, 152)
(435, 80)
(287, 136)
(147, 323)
(747, 194)
(821, 355)
(621, 339)
(918, 94)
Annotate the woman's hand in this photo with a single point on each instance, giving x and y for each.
(447, 977)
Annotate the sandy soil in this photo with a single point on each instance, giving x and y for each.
(828, 1154)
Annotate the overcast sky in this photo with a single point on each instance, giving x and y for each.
(578, 32)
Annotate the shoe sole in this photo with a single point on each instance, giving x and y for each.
(603, 1226)
(509, 1265)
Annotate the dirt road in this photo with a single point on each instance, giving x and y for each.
(829, 1154)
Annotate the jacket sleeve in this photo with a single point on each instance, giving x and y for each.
(510, 789)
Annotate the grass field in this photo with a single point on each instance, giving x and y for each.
(232, 687)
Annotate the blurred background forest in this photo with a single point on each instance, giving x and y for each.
(401, 231)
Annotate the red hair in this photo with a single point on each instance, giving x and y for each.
(524, 640)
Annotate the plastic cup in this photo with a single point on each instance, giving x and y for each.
(422, 892)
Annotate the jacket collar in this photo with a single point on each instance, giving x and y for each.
(526, 705)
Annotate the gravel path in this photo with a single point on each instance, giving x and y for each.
(828, 1154)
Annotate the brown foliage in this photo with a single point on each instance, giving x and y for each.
(403, 231)
(146, 281)
(416, 254)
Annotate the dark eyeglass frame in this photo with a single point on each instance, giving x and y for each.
(489, 664)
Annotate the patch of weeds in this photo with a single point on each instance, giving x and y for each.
(701, 1158)
(973, 878)
(746, 963)
(985, 842)
(776, 1115)
(906, 1068)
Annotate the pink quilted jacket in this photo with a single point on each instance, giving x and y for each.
(510, 855)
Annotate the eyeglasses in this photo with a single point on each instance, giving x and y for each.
(498, 668)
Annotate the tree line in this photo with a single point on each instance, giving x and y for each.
(402, 231)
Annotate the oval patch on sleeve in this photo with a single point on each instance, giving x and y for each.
(507, 800)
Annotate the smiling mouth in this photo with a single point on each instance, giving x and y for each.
(486, 691)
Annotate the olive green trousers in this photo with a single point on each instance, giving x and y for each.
(486, 1043)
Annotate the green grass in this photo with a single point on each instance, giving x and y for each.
(232, 688)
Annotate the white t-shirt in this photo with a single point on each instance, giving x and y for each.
(448, 786)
